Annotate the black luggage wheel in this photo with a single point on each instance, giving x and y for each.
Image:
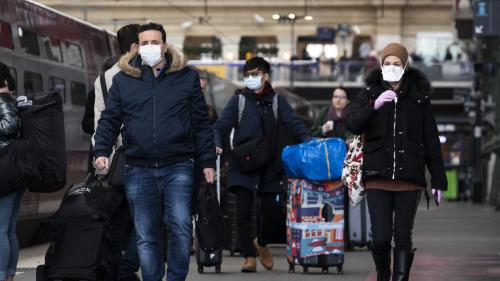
(41, 273)
(339, 270)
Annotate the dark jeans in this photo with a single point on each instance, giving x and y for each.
(156, 196)
(392, 213)
(123, 238)
(269, 212)
(9, 246)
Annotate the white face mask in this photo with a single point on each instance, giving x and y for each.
(253, 83)
(392, 73)
(150, 54)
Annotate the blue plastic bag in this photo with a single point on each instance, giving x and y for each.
(319, 159)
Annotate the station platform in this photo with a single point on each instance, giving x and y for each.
(456, 242)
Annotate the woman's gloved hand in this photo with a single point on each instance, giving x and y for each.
(386, 96)
(437, 193)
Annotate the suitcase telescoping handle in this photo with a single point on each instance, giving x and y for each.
(217, 176)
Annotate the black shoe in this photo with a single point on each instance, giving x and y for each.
(403, 261)
(383, 266)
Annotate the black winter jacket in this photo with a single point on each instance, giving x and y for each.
(267, 179)
(400, 139)
(164, 118)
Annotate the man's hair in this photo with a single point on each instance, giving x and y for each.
(153, 26)
(348, 95)
(259, 63)
(127, 35)
(5, 75)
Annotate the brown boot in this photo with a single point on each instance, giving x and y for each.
(264, 255)
(249, 265)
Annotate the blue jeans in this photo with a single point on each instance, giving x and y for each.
(156, 195)
(9, 247)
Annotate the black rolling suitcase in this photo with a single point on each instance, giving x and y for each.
(230, 218)
(80, 249)
(209, 226)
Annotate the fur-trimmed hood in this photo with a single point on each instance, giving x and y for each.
(413, 81)
(130, 62)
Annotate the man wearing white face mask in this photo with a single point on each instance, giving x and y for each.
(401, 138)
(159, 101)
(262, 114)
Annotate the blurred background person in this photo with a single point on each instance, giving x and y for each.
(331, 121)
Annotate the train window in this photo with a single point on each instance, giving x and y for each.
(58, 84)
(29, 41)
(13, 72)
(75, 57)
(6, 36)
(78, 93)
(53, 49)
(32, 82)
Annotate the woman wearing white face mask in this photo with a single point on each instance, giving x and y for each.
(401, 138)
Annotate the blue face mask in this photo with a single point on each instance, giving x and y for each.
(253, 82)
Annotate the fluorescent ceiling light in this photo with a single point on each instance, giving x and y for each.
(258, 18)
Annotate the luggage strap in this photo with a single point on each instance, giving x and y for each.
(241, 106)
(427, 198)
(104, 87)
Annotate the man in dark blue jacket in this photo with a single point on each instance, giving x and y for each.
(165, 126)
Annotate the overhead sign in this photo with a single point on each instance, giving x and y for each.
(325, 33)
(487, 18)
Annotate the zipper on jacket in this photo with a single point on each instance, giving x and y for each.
(394, 138)
(154, 120)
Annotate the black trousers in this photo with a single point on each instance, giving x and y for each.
(269, 216)
(392, 214)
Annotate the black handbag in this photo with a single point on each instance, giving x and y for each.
(251, 155)
(115, 173)
(209, 221)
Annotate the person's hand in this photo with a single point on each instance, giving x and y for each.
(101, 164)
(437, 195)
(327, 127)
(218, 150)
(209, 175)
(386, 96)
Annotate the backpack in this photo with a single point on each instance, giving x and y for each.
(42, 124)
(241, 107)
(252, 154)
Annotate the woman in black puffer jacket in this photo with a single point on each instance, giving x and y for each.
(401, 138)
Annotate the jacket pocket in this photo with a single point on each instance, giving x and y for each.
(414, 163)
(172, 131)
(374, 158)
